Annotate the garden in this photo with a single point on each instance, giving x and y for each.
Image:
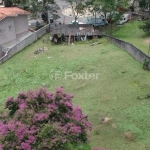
(116, 104)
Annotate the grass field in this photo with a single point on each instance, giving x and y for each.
(130, 32)
(114, 94)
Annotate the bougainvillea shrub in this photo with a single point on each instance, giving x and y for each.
(38, 120)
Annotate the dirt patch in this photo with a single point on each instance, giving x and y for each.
(147, 40)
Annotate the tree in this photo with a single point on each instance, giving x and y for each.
(109, 7)
(77, 6)
(39, 6)
(145, 26)
(144, 4)
(43, 120)
(94, 7)
(8, 3)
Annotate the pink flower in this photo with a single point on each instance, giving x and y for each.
(3, 128)
(1, 147)
(95, 148)
(69, 104)
(25, 146)
(22, 105)
(40, 117)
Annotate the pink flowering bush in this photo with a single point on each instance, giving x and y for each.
(38, 120)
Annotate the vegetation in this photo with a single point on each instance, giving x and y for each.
(8, 3)
(94, 6)
(43, 120)
(131, 33)
(77, 6)
(38, 6)
(145, 26)
(144, 4)
(114, 94)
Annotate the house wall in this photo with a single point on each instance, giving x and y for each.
(7, 30)
(21, 24)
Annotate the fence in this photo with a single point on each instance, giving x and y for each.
(131, 49)
(21, 44)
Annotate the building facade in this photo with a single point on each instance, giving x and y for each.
(13, 21)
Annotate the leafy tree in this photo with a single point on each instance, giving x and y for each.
(8, 3)
(39, 6)
(77, 6)
(144, 4)
(110, 7)
(94, 7)
(145, 26)
(43, 120)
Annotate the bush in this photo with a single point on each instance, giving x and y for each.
(43, 120)
(145, 65)
(145, 26)
(8, 3)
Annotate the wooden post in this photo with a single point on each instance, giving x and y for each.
(69, 39)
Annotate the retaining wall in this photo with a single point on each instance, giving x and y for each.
(21, 44)
(131, 49)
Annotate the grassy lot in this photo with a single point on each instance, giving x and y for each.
(114, 94)
(130, 32)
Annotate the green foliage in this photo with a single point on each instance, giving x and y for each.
(94, 6)
(145, 26)
(146, 65)
(114, 93)
(144, 4)
(8, 3)
(131, 33)
(41, 6)
(77, 6)
(42, 120)
(132, 8)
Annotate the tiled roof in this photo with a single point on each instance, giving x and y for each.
(11, 11)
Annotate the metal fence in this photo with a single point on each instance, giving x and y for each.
(5, 54)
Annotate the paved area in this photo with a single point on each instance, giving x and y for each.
(66, 19)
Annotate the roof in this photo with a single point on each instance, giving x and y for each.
(11, 12)
(73, 30)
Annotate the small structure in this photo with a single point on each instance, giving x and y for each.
(76, 32)
(13, 22)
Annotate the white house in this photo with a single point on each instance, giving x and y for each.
(13, 22)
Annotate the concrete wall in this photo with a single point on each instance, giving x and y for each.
(1, 52)
(131, 49)
(21, 23)
(23, 43)
(42, 31)
(7, 30)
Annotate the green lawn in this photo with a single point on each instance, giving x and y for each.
(130, 32)
(113, 95)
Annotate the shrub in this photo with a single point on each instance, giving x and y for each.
(146, 65)
(145, 26)
(43, 120)
(8, 3)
